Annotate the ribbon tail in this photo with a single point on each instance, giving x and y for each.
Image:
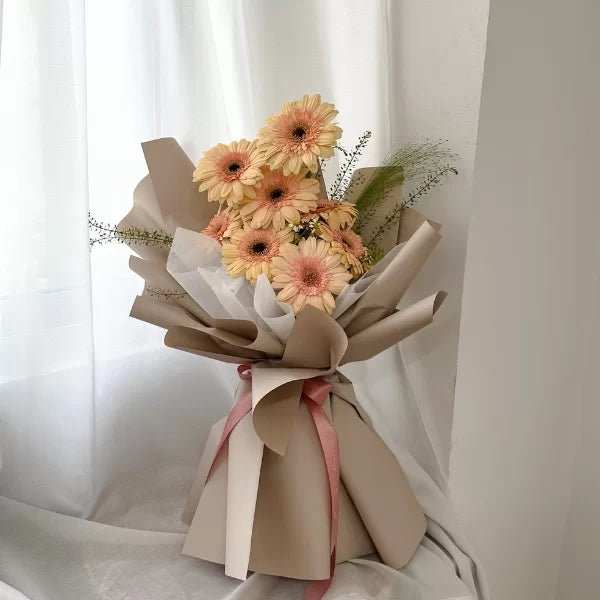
(329, 446)
(317, 589)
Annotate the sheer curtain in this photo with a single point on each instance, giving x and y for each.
(98, 419)
(46, 342)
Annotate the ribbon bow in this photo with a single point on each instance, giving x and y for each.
(315, 391)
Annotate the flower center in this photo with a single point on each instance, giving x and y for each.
(299, 133)
(311, 278)
(233, 167)
(310, 275)
(259, 248)
(276, 194)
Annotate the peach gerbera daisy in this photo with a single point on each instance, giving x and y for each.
(223, 225)
(348, 245)
(338, 215)
(309, 274)
(281, 198)
(301, 133)
(230, 172)
(251, 251)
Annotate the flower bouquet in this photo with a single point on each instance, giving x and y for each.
(249, 259)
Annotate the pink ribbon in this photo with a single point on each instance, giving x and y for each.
(315, 392)
(240, 409)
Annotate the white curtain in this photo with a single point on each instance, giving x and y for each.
(97, 419)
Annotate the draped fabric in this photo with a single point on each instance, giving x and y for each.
(101, 426)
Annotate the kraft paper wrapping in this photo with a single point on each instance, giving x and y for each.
(264, 505)
(382, 297)
(179, 201)
(292, 502)
(381, 335)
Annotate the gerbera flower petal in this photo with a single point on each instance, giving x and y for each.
(251, 251)
(230, 172)
(280, 199)
(305, 274)
(348, 245)
(223, 225)
(338, 215)
(300, 133)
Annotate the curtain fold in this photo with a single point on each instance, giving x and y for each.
(89, 81)
(46, 344)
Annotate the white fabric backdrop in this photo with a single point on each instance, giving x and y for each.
(526, 445)
(97, 418)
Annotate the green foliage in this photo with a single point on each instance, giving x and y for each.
(342, 179)
(371, 257)
(356, 182)
(166, 294)
(384, 180)
(421, 162)
(104, 233)
(424, 187)
(428, 184)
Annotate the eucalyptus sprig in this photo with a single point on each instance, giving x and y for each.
(104, 233)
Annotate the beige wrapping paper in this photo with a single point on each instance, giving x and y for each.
(389, 331)
(178, 198)
(383, 296)
(359, 179)
(146, 214)
(315, 348)
(232, 333)
(210, 451)
(411, 219)
(244, 470)
(392, 516)
(203, 344)
(265, 506)
(290, 534)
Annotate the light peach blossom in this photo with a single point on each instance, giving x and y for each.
(299, 135)
(281, 199)
(223, 225)
(229, 173)
(348, 245)
(251, 252)
(309, 274)
(337, 214)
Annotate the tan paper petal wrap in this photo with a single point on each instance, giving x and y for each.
(263, 502)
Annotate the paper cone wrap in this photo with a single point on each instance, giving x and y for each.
(261, 499)
(288, 498)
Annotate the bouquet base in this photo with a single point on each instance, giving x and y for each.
(270, 513)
